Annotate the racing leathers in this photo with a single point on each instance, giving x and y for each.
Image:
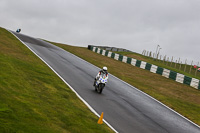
(98, 75)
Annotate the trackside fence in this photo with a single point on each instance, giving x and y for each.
(193, 82)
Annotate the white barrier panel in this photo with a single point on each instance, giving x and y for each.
(194, 83)
(133, 62)
(143, 65)
(153, 68)
(109, 54)
(104, 52)
(98, 51)
(179, 78)
(166, 73)
(116, 56)
(124, 59)
(94, 49)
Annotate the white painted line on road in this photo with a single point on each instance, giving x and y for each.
(67, 84)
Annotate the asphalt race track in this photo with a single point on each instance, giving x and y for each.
(126, 108)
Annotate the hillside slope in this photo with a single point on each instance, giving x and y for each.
(34, 99)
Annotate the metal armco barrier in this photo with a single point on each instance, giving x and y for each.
(195, 83)
(110, 48)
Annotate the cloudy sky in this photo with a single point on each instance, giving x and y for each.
(131, 24)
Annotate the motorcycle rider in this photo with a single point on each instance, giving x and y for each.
(104, 71)
(18, 30)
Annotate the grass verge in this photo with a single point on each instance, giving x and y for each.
(182, 98)
(33, 99)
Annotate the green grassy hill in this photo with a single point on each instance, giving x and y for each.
(33, 99)
(180, 97)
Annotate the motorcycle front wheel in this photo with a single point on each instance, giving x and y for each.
(100, 88)
(95, 88)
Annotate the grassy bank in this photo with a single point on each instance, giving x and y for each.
(33, 99)
(182, 98)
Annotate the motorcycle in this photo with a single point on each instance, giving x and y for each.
(100, 83)
(18, 30)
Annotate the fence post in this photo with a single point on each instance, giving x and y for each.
(178, 61)
(171, 61)
(167, 60)
(150, 54)
(147, 53)
(196, 69)
(142, 52)
(180, 65)
(160, 58)
(164, 59)
(175, 63)
(185, 64)
(190, 68)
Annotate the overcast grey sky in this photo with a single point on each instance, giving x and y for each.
(131, 24)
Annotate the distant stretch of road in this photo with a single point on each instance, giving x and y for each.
(126, 108)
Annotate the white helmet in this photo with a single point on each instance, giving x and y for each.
(105, 68)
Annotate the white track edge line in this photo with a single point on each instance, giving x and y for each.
(91, 109)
